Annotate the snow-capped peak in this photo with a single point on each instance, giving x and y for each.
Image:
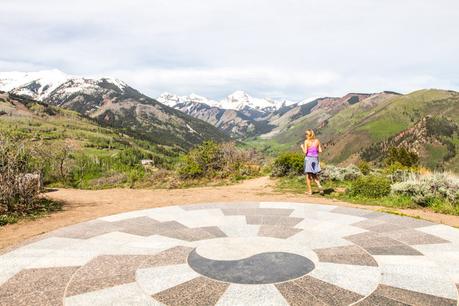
(172, 100)
(39, 84)
(118, 83)
(238, 100)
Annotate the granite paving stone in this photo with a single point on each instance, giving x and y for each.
(359, 279)
(378, 244)
(297, 295)
(414, 237)
(379, 300)
(351, 255)
(87, 229)
(36, 286)
(142, 226)
(198, 291)
(327, 293)
(239, 253)
(277, 231)
(412, 297)
(257, 211)
(241, 295)
(127, 294)
(159, 278)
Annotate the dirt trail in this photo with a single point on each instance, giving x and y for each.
(83, 205)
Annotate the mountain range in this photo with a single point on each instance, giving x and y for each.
(113, 103)
(352, 127)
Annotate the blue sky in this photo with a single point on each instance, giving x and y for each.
(291, 49)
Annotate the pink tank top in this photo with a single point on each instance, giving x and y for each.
(313, 151)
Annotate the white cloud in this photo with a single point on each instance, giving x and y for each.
(291, 48)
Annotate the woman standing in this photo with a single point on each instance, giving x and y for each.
(311, 149)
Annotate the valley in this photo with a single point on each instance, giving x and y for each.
(356, 126)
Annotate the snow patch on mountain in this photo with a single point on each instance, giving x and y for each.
(41, 84)
(36, 84)
(239, 100)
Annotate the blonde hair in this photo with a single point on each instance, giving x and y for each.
(310, 135)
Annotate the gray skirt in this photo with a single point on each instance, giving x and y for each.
(311, 165)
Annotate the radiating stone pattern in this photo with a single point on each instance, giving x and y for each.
(141, 258)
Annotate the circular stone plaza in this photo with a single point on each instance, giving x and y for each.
(253, 253)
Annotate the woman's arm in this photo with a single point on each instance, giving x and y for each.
(304, 147)
(320, 146)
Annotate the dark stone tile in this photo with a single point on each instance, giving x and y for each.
(400, 220)
(378, 300)
(412, 297)
(413, 237)
(190, 234)
(86, 230)
(80, 286)
(168, 226)
(113, 270)
(296, 295)
(215, 231)
(37, 298)
(105, 271)
(385, 227)
(198, 291)
(218, 205)
(141, 226)
(254, 220)
(327, 293)
(351, 255)
(43, 286)
(174, 256)
(263, 268)
(277, 231)
(257, 211)
(358, 212)
(378, 244)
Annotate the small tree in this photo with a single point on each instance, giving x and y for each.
(18, 186)
(402, 156)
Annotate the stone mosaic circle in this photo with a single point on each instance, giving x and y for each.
(249, 253)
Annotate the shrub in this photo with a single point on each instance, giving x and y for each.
(424, 189)
(19, 180)
(218, 160)
(288, 163)
(371, 186)
(402, 156)
(334, 173)
(364, 167)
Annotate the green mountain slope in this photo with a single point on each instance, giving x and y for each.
(54, 126)
(386, 119)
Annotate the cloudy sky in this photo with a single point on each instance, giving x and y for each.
(270, 48)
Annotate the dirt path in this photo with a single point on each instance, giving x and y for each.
(83, 205)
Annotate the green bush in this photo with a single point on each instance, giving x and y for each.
(402, 156)
(370, 186)
(218, 160)
(364, 167)
(288, 163)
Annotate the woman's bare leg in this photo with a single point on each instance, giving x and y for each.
(308, 183)
(317, 181)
